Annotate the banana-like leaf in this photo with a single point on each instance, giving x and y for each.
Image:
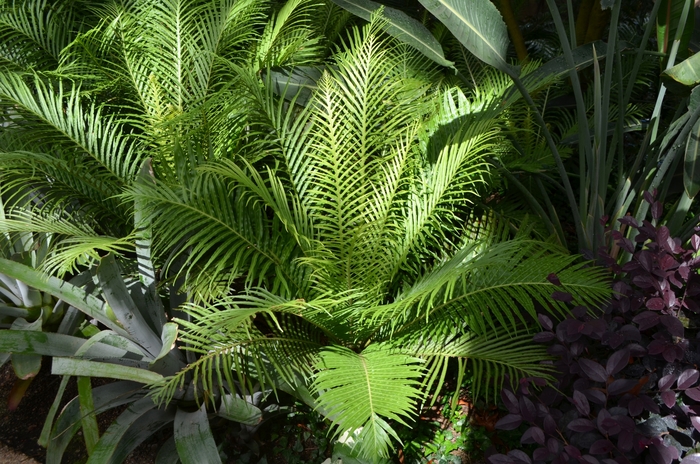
(74, 296)
(360, 390)
(667, 24)
(193, 438)
(478, 25)
(401, 26)
(691, 166)
(68, 422)
(68, 366)
(128, 313)
(683, 76)
(132, 427)
(237, 409)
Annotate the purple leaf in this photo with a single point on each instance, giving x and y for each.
(620, 386)
(663, 237)
(617, 361)
(666, 382)
(695, 242)
(625, 441)
(601, 447)
(672, 353)
(649, 404)
(674, 326)
(645, 258)
(527, 409)
(630, 333)
(669, 398)
(657, 209)
(593, 370)
(545, 321)
(636, 407)
(509, 422)
(695, 420)
(543, 337)
(519, 456)
(553, 445)
(662, 454)
(554, 279)
(646, 320)
(687, 378)
(533, 435)
(693, 393)
(629, 220)
(588, 459)
(581, 425)
(581, 403)
(655, 304)
(606, 424)
(510, 401)
(691, 458)
(550, 425)
(596, 396)
(667, 262)
(541, 454)
(563, 296)
(500, 459)
(572, 451)
(648, 196)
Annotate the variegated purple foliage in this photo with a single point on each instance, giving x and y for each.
(627, 387)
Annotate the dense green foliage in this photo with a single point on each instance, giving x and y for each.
(322, 209)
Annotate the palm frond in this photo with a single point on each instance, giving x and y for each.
(490, 358)
(288, 38)
(217, 231)
(58, 121)
(33, 33)
(491, 288)
(361, 391)
(72, 245)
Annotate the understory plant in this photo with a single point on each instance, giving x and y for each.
(329, 249)
(602, 177)
(348, 259)
(130, 340)
(626, 388)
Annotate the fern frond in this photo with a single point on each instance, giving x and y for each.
(360, 391)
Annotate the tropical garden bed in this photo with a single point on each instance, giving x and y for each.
(302, 230)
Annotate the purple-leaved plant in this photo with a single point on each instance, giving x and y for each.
(626, 387)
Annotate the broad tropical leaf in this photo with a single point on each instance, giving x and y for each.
(478, 25)
(401, 26)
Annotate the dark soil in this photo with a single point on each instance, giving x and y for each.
(20, 429)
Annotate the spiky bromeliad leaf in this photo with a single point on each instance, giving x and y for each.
(362, 390)
(478, 25)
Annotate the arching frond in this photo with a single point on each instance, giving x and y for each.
(491, 288)
(33, 33)
(489, 358)
(288, 38)
(218, 232)
(56, 120)
(360, 391)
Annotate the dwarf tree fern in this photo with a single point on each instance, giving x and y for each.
(346, 266)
